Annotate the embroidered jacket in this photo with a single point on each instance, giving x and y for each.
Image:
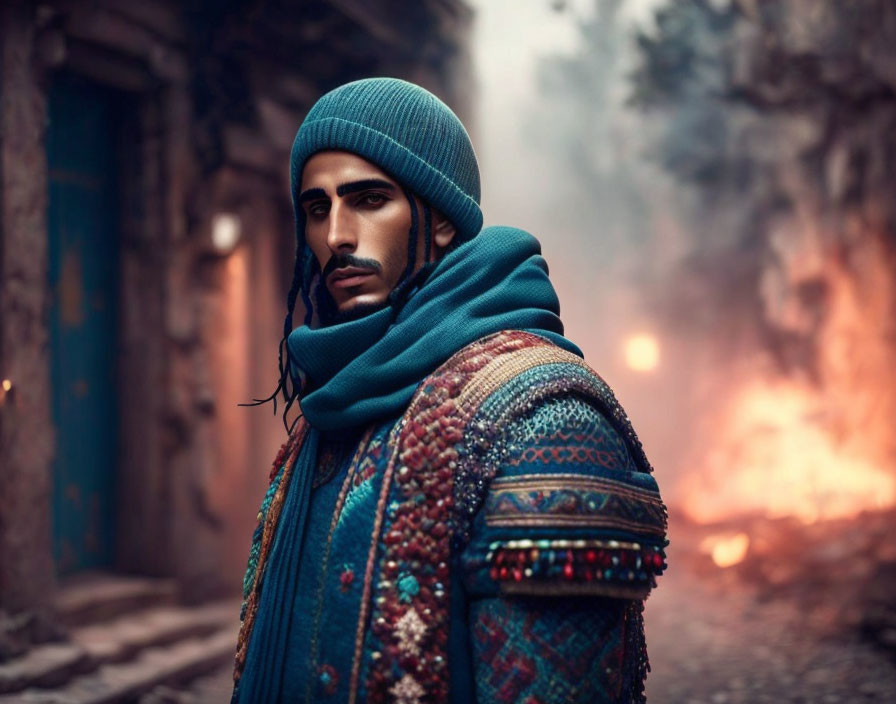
(492, 544)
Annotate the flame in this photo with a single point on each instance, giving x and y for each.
(816, 445)
(642, 352)
(778, 459)
(726, 549)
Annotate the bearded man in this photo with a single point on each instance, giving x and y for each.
(462, 513)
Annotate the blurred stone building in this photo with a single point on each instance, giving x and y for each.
(146, 239)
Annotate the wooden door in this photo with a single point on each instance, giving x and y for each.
(83, 279)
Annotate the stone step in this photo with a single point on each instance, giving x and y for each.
(121, 639)
(116, 683)
(98, 596)
(114, 641)
(44, 666)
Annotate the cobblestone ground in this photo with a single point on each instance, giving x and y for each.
(711, 642)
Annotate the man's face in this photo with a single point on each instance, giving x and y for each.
(357, 224)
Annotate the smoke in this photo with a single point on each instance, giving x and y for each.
(720, 175)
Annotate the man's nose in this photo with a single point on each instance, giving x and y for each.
(341, 236)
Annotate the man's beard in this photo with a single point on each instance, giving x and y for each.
(329, 314)
(328, 310)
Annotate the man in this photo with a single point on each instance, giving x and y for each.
(463, 512)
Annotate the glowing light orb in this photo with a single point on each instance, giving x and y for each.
(642, 352)
(726, 549)
(225, 232)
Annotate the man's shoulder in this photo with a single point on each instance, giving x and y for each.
(507, 357)
(550, 465)
(522, 382)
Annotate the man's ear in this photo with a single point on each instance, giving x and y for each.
(443, 231)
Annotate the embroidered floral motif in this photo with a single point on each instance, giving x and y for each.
(408, 588)
(410, 630)
(346, 578)
(328, 678)
(407, 691)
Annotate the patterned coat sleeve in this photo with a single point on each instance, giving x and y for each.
(564, 549)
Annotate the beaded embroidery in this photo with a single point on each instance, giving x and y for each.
(415, 543)
(626, 570)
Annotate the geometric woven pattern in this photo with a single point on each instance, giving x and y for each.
(541, 650)
(574, 500)
(569, 430)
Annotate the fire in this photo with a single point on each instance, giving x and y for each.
(778, 459)
(813, 443)
(726, 549)
(642, 352)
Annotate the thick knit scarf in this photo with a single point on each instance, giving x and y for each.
(355, 373)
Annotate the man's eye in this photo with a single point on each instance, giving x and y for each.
(373, 199)
(318, 209)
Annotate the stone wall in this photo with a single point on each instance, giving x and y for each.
(213, 101)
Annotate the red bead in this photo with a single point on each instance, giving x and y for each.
(568, 571)
(591, 557)
(502, 573)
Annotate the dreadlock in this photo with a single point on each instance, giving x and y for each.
(285, 383)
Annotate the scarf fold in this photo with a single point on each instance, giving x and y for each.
(357, 372)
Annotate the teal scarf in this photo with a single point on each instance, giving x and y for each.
(368, 368)
(357, 372)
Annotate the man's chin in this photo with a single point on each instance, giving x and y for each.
(354, 312)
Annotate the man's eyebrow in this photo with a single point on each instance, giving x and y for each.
(355, 186)
(312, 194)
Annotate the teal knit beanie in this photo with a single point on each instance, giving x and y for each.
(406, 131)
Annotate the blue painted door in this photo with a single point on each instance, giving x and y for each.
(83, 280)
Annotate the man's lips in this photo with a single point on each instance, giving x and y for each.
(349, 276)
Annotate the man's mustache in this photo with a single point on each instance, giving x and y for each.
(339, 261)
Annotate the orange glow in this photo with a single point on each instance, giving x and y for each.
(726, 549)
(778, 460)
(642, 352)
(816, 446)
